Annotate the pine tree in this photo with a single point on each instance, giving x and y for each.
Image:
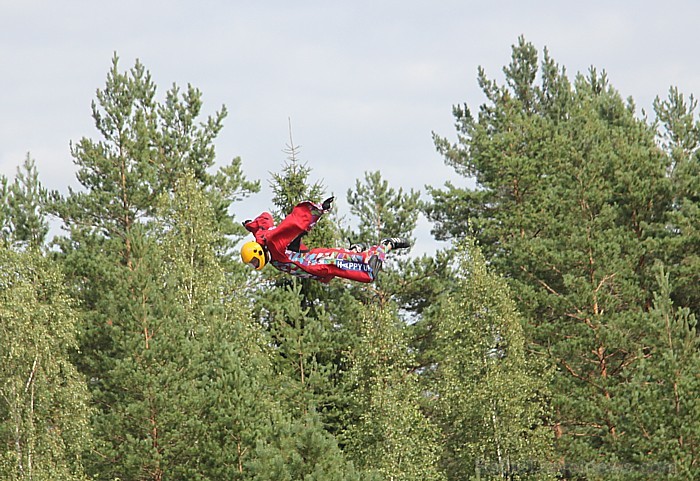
(225, 392)
(381, 210)
(302, 449)
(122, 175)
(680, 139)
(490, 399)
(233, 401)
(44, 429)
(571, 191)
(663, 424)
(189, 395)
(23, 202)
(145, 146)
(303, 347)
(138, 329)
(129, 384)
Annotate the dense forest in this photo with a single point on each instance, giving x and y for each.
(554, 339)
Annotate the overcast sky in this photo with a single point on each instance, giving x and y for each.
(365, 83)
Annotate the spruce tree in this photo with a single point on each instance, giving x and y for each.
(312, 328)
(311, 324)
(292, 185)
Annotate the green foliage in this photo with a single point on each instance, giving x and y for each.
(224, 391)
(44, 428)
(149, 258)
(188, 230)
(310, 324)
(387, 432)
(490, 399)
(301, 449)
(680, 138)
(145, 147)
(548, 346)
(187, 395)
(572, 192)
(662, 429)
(22, 220)
(5, 221)
(419, 281)
(302, 344)
(382, 211)
(292, 186)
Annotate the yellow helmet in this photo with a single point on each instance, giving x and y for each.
(253, 253)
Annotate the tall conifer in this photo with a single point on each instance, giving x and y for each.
(572, 189)
(663, 413)
(145, 296)
(22, 215)
(679, 136)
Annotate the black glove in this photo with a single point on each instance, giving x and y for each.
(327, 203)
(246, 221)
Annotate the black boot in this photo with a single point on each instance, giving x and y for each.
(357, 246)
(396, 243)
(375, 264)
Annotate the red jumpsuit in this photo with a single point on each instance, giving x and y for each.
(322, 264)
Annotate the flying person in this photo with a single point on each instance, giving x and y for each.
(281, 246)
